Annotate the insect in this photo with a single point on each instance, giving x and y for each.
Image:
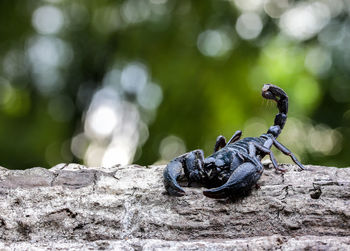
(235, 166)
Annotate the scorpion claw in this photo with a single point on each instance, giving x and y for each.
(241, 181)
(216, 193)
(170, 175)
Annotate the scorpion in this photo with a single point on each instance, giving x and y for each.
(234, 167)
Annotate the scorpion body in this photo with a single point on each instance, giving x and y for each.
(235, 166)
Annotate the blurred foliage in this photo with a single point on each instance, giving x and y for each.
(108, 82)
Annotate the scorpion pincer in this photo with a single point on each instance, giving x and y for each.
(235, 166)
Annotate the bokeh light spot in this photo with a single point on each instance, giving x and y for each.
(275, 8)
(214, 43)
(249, 5)
(135, 11)
(305, 20)
(170, 147)
(325, 140)
(119, 152)
(249, 26)
(47, 19)
(318, 61)
(49, 51)
(150, 96)
(102, 120)
(94, 154)
(134, 77)
(79, 145)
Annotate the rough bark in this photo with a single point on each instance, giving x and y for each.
(74, 207)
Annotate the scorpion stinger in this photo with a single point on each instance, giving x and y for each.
(275, 93)
(236, 166)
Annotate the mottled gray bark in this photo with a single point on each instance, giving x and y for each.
(74, 207)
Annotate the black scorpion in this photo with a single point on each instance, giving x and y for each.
(235, 166)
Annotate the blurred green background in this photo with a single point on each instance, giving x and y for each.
(141, 81)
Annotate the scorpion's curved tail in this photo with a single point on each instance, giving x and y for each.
(275, 93)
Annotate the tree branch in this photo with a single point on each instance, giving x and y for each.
(71, 206)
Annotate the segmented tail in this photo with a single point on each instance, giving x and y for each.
(275, 93)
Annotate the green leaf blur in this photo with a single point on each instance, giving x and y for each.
(141, 81)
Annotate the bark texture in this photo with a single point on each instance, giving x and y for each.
(73, 207)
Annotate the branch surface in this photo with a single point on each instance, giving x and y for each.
(72, 206)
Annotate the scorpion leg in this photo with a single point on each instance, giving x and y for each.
(191, 163)
(235, 137)
(221, 141)
(286, 151)
(272, 156)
